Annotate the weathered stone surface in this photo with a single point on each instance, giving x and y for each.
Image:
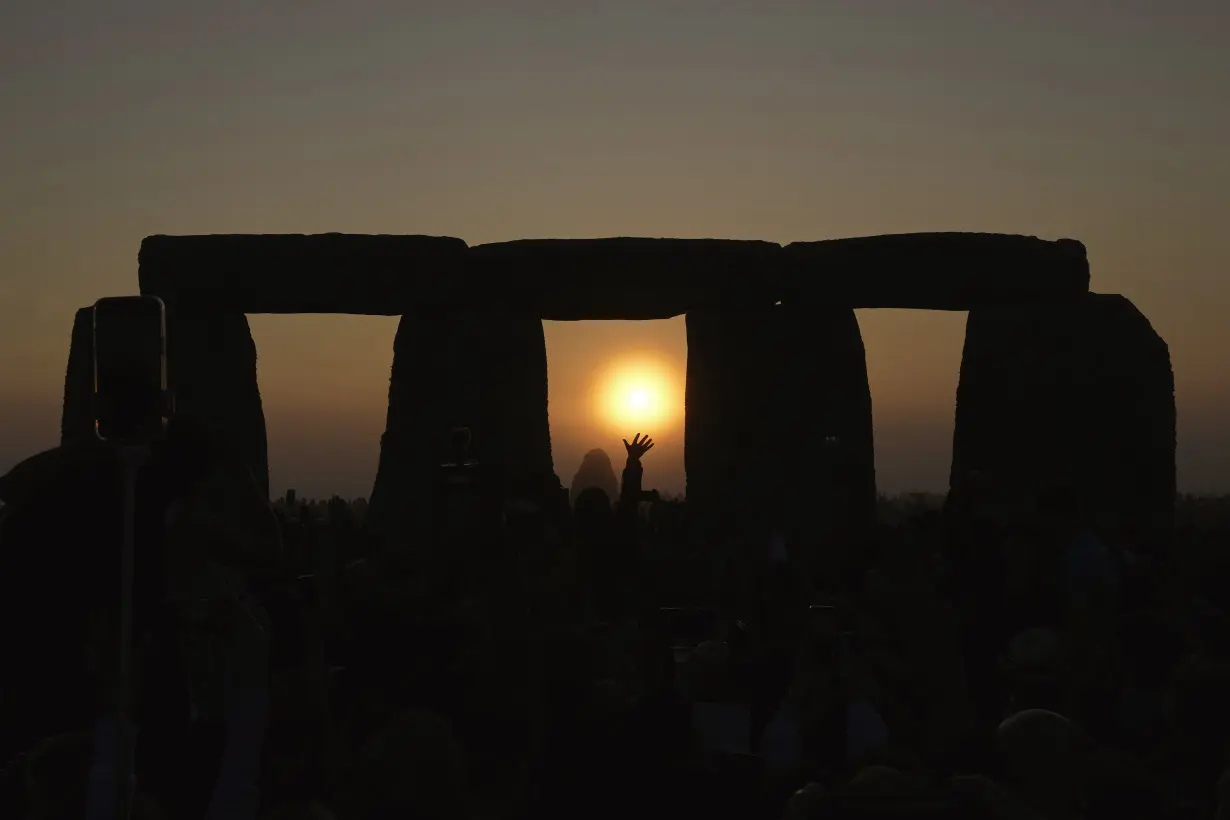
(623, 277)
(617, 278)
(211, 369)
(730, 402)
(1080, 393)
(937, 271)
(778, 429)
(297, 273)
(485, 371)
(773, 346)
(827, 404)
(77, 415)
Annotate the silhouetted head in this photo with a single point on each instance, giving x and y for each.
(592, 510)
(596, 458)
(1045, 755)
(595, 471)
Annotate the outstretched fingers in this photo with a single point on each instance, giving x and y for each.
(639, 446)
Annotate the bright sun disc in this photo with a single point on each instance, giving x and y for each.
(639, 392)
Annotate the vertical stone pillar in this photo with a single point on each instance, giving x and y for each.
(485, 371)
(827, 409)
(211, 367)
(778, 427)
(1079, 392)
(729, 404)
(77, 414)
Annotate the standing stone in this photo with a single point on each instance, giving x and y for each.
(77, 414)
(1078, 393)
(485, 371)
(778, 430)
(828, 411)
(730, 410)
(211, 367)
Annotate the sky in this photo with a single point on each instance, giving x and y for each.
(1103, 121)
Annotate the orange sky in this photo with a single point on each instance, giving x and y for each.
(777, 120)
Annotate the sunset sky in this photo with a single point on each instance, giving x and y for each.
(1107, 122)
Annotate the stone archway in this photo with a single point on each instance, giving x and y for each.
(778, 405)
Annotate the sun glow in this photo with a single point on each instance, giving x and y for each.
(639, 391)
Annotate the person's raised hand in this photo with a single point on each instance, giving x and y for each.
(638, 447)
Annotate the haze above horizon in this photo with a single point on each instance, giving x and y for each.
(784, 121)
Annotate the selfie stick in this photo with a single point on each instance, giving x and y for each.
(132, 457)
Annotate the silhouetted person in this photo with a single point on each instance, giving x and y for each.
(595, 471)
(975, 561)
(605, 537)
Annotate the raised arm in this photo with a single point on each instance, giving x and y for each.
(631, 491)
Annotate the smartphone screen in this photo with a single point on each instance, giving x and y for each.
(130, 368)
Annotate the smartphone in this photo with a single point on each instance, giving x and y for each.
(131, 403)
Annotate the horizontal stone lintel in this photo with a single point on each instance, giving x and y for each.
(616, 278)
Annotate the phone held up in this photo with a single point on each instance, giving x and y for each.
(131, 401)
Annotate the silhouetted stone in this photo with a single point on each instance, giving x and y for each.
(937, 271)
(756, 371)
(778, 424)
(211, 370)
(297, 273)
(596, 470)
(826, 407)
(1079, 392)
(617, 278)
(624, 277)
(485, 371)
(77, 414)
(728, 409)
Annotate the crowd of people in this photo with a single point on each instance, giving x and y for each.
(573, 652)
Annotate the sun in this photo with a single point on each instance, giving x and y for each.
(639, 391)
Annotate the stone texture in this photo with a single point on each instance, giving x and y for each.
(778, 424)
(776, 363)
(211, 371)
(211, 368)
(77, 414)
(937, 271)
(1078, 392)
(624, 277)
(616, 278)
(827, 404)
(729, 414)
(485, 371)
(297, 273)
